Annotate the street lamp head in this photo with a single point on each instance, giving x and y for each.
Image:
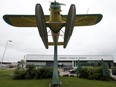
(9, 40)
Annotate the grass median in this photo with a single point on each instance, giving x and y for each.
(7, 81)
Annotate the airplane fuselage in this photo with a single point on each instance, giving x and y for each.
(55, 22)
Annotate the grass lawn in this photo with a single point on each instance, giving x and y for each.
(7, 81)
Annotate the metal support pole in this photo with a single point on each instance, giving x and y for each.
(55, 78)
(4, 52)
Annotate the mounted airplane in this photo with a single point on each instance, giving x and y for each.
(55, 21)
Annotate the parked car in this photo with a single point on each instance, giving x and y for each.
(114, 71)
(73, 71)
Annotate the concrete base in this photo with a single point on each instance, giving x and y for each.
(55, 85)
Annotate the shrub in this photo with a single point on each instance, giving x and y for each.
(46, 72)
(82, 72)
(19, 74)
(32, 73)
(90, 72)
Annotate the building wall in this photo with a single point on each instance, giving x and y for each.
(68, 57)
(67, 60)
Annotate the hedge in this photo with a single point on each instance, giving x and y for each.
(90, 72)
(32, 73)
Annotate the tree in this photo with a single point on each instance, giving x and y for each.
(21, 64)
(105, 71)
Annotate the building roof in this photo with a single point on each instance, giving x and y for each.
(69, 57)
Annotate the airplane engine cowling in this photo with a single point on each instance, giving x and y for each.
(40, 20)
(69, 24)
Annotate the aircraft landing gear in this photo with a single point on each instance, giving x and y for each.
(69, 24)
(40, 19)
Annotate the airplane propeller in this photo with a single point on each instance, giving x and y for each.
(62, 4)
(57, 3)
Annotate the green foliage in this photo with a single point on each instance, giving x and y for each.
(46, 72)
(105, 71)
(32, 73)
(90, 72)
(43, 73)
(19, 74)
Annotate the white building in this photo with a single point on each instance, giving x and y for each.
(67, 60)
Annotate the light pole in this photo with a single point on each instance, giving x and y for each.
(5, 52)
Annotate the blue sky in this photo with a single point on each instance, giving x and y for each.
(91, 40)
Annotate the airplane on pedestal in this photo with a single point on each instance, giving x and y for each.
(55, 21)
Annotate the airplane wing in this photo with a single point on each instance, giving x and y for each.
(22, 20)
(30, 20)
(85, 19)
(80, 20)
